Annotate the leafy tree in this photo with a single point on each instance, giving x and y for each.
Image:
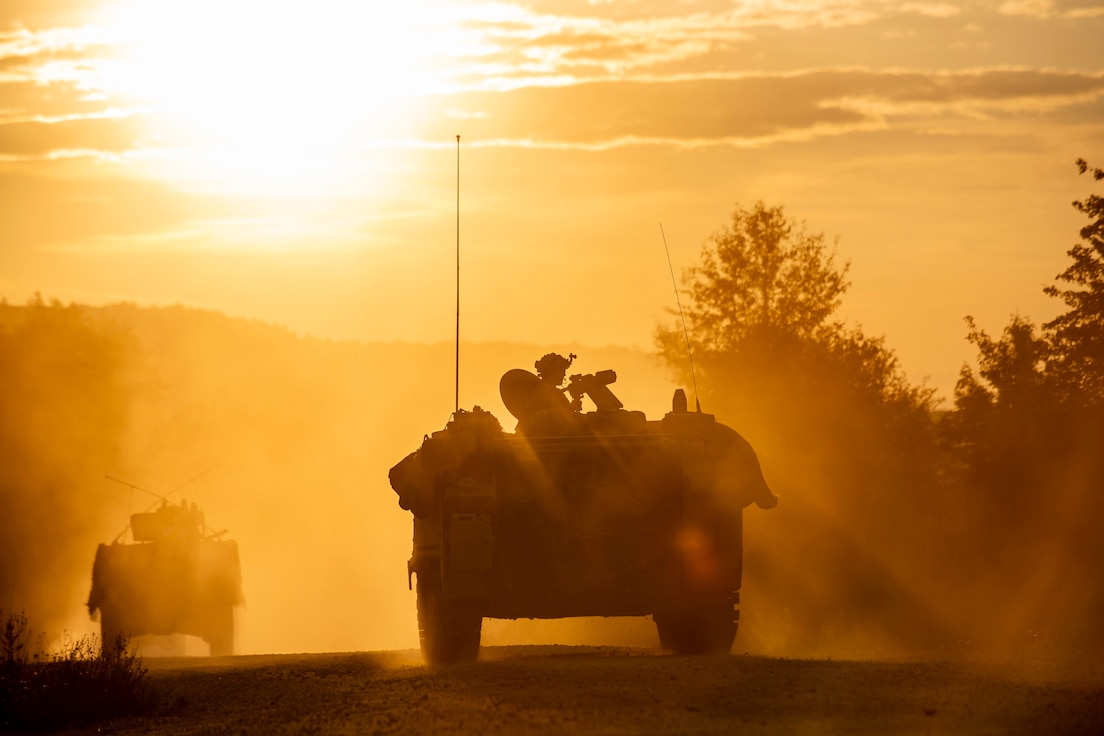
(844, 439)
(1028, 428)
(1041, 386)
(764, 273)
(1025, 380)
(762, 303)
(1005, 417)
(1014, 367)
(1078, 334)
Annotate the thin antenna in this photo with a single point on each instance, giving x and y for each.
(682, 316)
(164, 499)
(138, 488)
(456, 403)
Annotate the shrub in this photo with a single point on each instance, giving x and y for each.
(74, 686)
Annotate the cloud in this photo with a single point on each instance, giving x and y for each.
(46, 13)
(516, 44)
(1046, 9)
(28, 139)
(519, 43)
(690, 110)
(27, 101)
(786, 13)
(738, 110)
(549, 73)
(33, 53)
(756, 109)
(935, 10)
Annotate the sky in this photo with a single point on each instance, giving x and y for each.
(297, 163)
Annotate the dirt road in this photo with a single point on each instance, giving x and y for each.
(590, 690)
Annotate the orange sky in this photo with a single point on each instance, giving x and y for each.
(296, 162)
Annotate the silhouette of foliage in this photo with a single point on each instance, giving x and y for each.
(1011, 374)
(1028, 428)
(762, 304)
(74, 686)
(1078, 334)
(1006, 417)
(835, 421)
(1025, 380)
(764, 274)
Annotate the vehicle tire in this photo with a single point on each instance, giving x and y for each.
(221, 636)
(706, 628)
(447, 630)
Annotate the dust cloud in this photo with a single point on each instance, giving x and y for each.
(286, 441)
(281, 440)
(885, 543)
(63, 413)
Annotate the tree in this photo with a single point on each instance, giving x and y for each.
(1036, 409)
(1028, 429)
(844, 439)
(762, 304)
(1078, 335)
(1014, 366)
(1006, 417)
(765, 273)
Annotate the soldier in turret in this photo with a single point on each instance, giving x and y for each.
(552, 370)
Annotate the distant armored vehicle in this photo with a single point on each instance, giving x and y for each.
(177, 578)
(602, 513)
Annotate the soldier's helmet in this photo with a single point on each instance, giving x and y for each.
(553, 367)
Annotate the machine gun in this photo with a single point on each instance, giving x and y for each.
(596, 386)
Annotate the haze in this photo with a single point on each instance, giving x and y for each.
(296, 165)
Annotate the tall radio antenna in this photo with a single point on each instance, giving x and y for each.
(682, 316)
(456, 404)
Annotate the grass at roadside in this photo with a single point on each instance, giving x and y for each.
(77, 684)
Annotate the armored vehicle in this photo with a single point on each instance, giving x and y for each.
(177, 577)
(598, 513)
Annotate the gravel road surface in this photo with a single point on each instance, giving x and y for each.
(595, 690)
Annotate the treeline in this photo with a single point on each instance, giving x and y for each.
(904, 523)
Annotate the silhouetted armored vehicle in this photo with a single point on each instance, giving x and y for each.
(176, 578)
(601, 513)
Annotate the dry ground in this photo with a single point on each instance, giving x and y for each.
(592, 690)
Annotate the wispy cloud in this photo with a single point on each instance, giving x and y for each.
(1045, 9)
(738, 110)
(85, 134)
(759, 109)
(546, 73)
(48, 13)
(290, 232)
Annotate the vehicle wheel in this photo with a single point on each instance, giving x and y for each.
(221, 637)
(448, 631)
(708, 628)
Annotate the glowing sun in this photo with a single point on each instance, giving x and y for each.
(269, 92)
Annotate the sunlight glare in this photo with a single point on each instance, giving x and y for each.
(271, 90)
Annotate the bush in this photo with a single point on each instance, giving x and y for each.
(80, 683)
